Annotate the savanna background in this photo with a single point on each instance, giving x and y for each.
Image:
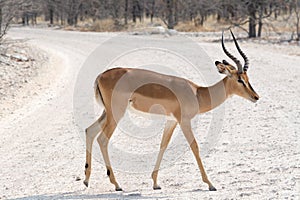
(43, 46)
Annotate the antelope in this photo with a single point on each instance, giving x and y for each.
(179, 99)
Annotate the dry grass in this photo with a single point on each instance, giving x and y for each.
(189, 26)
(282, 25)
(109, 25)
(210, 25)
(106, 25)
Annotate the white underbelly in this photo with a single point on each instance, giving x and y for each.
(151, 115)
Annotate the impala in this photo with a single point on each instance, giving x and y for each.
(179, 99)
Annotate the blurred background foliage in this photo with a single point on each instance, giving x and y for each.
(253, 17)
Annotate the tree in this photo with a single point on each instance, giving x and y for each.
(6, 16)
(126, 12)
(168, 13)
(241, 12)
(296, 5)
(136, 11)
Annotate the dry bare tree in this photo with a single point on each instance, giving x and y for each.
(253, 13)
(296, 6)
(9, 9)
(238, 13)
(5, 18)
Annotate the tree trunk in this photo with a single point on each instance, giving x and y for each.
(140, 12)
(134, 12)
(252, 27)
(27, 19)
(202, 20)
(23, 20)
(152, 10)
(62, 21)
(175, 13)
(0, 20)
(297, 11)
(34, 16)
(75, 20)
(260, 24)
(218, 17)
(126, 13)
(70, 21)
(252, 20)
(170, 17)
(51, 14)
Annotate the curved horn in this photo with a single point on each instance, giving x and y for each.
(237, 62)
(246, 65)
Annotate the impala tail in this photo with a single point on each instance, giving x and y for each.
(98, 95)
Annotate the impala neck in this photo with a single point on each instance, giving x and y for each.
(213, 96)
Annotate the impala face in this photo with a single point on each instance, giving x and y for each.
(238, 77)
(240, 84)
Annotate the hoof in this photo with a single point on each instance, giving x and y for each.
(157, 188)
(86, 183)
(119, 189)
(212, 188)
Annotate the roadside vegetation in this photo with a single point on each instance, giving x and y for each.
(256, 18)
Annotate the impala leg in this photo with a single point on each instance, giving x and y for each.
(168, 131)
(91, 132)
(186, 128)
(103, 140)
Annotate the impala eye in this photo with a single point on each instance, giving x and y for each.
(242, 82)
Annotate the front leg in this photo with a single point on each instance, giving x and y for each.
(168, 132)
(188, 133)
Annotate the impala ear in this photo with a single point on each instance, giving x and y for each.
(223, 69)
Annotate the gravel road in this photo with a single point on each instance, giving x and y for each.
(257, 155)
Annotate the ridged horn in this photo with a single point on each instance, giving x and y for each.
(246, 65)
(237, 62)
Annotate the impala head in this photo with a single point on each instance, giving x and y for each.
(238, 77)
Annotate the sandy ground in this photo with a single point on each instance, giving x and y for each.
(20, 66)
(257, 155)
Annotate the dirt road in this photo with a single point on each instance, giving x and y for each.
(257, 155)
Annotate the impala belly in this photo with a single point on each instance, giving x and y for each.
(156, 110)
(154, 99)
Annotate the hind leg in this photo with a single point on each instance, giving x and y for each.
(103, 140)
(91, 132)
